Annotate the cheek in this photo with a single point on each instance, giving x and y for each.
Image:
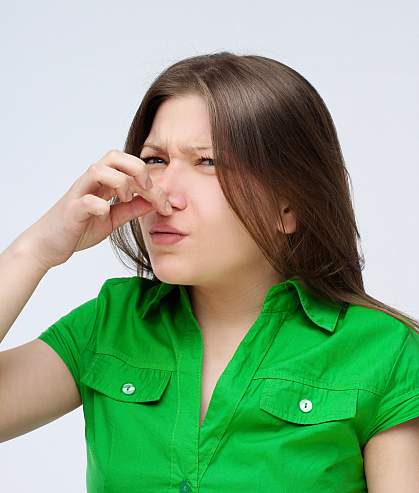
(216, 215)
(213, 204)
(223, 231)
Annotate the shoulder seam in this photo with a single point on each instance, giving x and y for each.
(395, 362)
(119, 280)
(93, 324)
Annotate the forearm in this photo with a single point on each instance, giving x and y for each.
(19, 277)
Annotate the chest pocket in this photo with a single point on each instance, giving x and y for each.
(122, 381)
(306, 404)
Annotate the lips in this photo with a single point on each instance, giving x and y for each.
(165, 228)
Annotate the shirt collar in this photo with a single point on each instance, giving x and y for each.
(280, 297)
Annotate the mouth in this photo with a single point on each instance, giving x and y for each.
(160, 238)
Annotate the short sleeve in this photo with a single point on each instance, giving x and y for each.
(69, 335)
(400, 401)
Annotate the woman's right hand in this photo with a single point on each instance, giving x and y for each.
(83, 217)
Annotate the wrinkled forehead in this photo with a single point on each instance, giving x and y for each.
(182, 125)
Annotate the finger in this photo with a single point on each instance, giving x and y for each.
(131, 165)
(126, 211)
(105, 181)
(99, 177)
(89, 205)
(105, 192)
(156, 196)
(125, 163)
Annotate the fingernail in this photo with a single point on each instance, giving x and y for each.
(148, 183)
(167, 206)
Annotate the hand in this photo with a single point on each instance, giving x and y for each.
(83, 218)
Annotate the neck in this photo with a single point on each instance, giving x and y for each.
(229, 310)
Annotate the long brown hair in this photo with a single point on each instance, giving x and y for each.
(274, 140)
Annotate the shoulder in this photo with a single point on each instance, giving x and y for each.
(125, 288)
(373, 323)
(119, 297)
(118, 324)
(127, 283)
(378, 341)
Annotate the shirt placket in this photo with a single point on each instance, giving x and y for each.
(192, 446)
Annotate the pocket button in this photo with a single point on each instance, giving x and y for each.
(128, 388)
(306, 405)
(185, 487)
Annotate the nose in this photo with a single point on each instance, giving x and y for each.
(172, 181)
(170, 177)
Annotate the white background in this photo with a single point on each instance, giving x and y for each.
(72, 77)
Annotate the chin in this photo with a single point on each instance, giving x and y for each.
(170, 274)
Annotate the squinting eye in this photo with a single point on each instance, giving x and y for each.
(202, 158)
(145, 159)
(205, 158)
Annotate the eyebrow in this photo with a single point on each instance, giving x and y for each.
(186, 149)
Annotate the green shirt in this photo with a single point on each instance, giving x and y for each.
(309, 384)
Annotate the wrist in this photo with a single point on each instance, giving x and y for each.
(24, 250)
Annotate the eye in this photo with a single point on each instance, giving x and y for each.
(199, 161)
(205, 158)
(146, 159)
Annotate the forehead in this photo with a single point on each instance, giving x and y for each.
(186, 148)
(181, 122)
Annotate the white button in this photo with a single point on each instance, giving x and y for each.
(306, 405)
(128, 388)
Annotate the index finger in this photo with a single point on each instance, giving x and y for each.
(121, 161)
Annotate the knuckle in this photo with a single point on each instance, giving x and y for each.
(119, 184)
(131, 183)
(93, 169)
(85, 200)
(113, 154)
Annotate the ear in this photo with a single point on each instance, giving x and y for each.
(289, 220)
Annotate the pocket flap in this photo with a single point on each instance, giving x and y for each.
(118, 379)
(305, 404)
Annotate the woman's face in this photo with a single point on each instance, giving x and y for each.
(217, 249)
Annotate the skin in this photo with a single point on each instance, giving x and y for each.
(226, 272)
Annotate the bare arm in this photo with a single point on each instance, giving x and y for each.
(391, 459)
(20, 275)
(36, 387)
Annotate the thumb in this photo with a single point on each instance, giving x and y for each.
(123, 212)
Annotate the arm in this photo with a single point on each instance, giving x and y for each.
(391, 459)
(36, 386)
(20, 275)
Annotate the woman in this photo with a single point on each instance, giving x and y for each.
(244, 355)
